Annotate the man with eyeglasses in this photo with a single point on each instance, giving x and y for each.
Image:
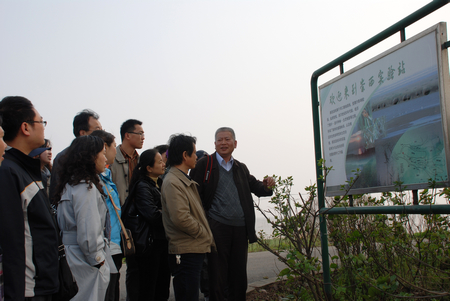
(28, 233)
(127, 158)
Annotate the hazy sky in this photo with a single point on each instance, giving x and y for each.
(191, 67)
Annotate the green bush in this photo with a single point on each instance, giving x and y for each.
(378, 256)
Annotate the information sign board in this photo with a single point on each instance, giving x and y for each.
(388, 118)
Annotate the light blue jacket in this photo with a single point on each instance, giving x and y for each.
(111, 188)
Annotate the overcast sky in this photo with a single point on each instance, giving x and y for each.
(191, 67)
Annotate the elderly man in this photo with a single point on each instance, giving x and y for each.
(225, 187)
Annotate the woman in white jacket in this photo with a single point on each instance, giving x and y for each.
(83, 217)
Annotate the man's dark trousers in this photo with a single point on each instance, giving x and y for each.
(186, 275)
(228, 266)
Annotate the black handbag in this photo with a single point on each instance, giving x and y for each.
(138, 226)
(68, 287)
(140, 231)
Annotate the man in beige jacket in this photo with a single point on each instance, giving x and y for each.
(184, 219)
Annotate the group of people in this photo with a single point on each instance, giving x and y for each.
(196, 211)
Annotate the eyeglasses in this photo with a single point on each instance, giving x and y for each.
(138, 133)
(44, 123)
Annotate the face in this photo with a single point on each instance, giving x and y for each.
(111, 152)
(137, 137)
(191, 160)
(94, 125)
(2, 145)
(100, 161)
(158, 168)
(225, 144)
(36, 131)
(46, 157)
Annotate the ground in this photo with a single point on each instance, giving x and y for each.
(271, 292)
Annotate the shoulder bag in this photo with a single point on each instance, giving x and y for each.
(127, 244)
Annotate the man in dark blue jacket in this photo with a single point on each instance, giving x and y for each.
(28, 234)
(226, 187)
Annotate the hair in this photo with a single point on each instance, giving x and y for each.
(200, 154)
(225, 129)
(178, 144)
(81, 121)
(108, 138)
(147, 158)
(128, 126)
(15, 110)
(162, 148)
(1, 120)
(47, 143)
(78, 164)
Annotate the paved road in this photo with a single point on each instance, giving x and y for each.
(261, 265)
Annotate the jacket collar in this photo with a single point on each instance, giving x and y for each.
(33, 166)
(151, 182)
(181, 175)
(106, 177)
(119, 156)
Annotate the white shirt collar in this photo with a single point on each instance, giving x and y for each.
(227, 165)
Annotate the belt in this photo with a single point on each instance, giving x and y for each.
(69, 237)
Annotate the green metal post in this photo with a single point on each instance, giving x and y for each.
(397, 27)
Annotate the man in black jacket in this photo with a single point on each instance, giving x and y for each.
(28, 234)
(225, 187)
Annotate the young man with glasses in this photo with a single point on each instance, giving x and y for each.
(127, 158)
(28, 234)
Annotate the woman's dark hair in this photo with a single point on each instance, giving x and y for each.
(162, 148)
(47, 143)
(178, 144)
(78, 164)
(108, 138)
(147, 158)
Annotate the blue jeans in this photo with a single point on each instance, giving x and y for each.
(186, 276)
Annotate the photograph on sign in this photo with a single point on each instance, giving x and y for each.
(384, 120)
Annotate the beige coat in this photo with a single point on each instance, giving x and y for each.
(184, 219)
(119, 174)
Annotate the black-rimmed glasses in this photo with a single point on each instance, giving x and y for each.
(44, 123)
(137, 133)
